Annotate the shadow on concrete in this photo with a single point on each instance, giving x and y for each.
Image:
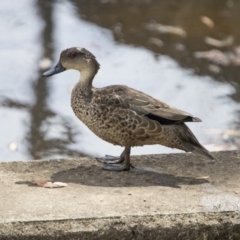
(94, 176)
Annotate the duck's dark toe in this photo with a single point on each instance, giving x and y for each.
(116, 167)
(110, 159)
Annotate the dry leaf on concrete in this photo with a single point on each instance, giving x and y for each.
(48, 184)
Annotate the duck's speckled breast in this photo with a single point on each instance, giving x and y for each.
(92, 115)
(97, 120)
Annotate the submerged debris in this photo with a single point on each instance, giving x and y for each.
(226, 42)
(155, 41)
(214, 68)
(166, 29)
(215, 56)
(180, 47)
(207, 21)
(220, 58)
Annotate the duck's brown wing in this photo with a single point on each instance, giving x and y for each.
(142, 104)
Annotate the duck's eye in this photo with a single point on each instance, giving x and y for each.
(72, 54)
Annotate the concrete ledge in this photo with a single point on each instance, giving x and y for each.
(175, 196)
(166, 227)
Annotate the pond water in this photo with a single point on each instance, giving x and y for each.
(163, 49)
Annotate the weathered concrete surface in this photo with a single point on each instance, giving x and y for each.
(175, 196)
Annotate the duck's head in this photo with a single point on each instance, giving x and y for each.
(75, 58)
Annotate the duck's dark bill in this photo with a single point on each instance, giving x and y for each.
(57, 69)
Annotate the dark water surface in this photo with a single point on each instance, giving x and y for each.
(186, 53)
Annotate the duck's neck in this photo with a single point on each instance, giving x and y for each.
(86, 79)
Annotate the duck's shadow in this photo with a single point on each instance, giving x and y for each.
(95, 176)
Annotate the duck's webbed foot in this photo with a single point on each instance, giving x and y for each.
(115, 167)
(111, 159)
(112, 163)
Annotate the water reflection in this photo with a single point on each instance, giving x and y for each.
(36, 118)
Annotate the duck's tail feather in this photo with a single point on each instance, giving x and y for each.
(189, 142)
(198, 150)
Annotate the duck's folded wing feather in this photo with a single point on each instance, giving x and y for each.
(145, 105)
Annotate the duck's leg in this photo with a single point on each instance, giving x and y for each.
(112, 159)
(121, 167)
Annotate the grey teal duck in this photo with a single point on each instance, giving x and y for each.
(124, 116)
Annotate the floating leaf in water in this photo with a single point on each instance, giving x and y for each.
(220, 58)
(226, 42)
(207, 21)
(166, 29)
(215, 56)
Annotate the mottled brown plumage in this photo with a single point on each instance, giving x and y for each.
(124, 116)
